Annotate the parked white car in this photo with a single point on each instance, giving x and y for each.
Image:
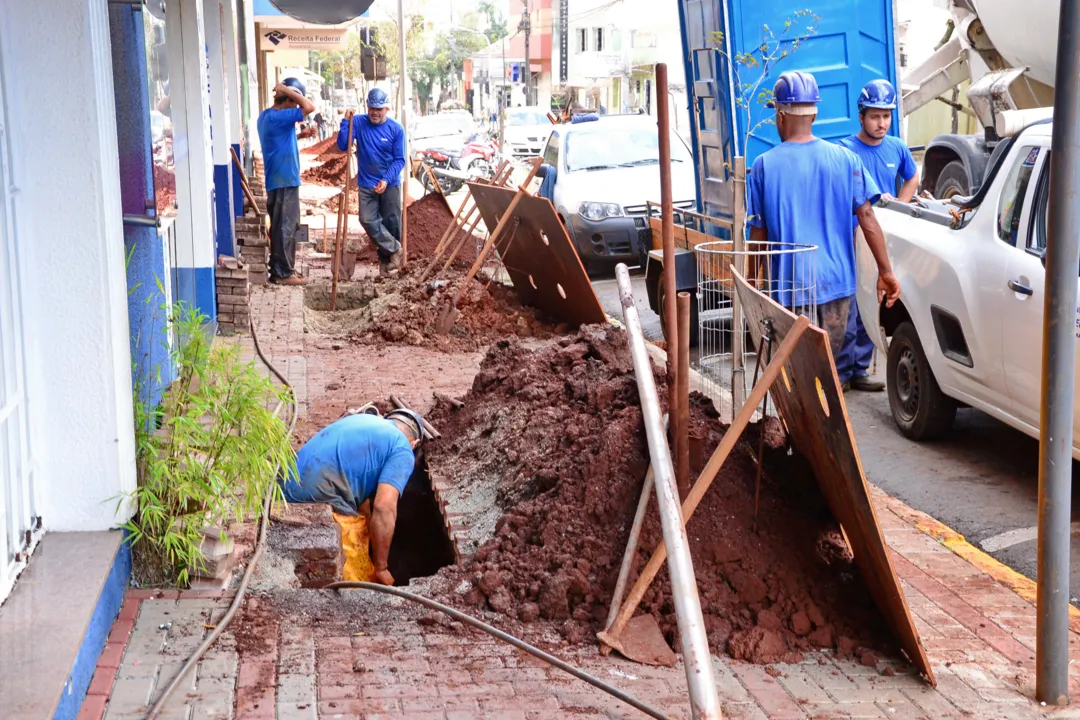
(608, 170)
(969, 322)
(525, 131)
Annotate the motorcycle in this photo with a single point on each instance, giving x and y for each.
(453, 168)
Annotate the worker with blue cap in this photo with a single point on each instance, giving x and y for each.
(359, 458)
(281, 165)
(806, 191)
(890, 164)
(380, 160)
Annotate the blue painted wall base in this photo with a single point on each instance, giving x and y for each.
(195, 287)
(105, 612)
(238, 190)
(223, 209)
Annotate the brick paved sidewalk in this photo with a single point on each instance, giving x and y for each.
(359, 656)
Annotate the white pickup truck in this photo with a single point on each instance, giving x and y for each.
(967, 329)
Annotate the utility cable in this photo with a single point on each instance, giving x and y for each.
(505, 637)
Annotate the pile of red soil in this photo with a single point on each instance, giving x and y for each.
(558, 432)
(489, 311)
(322, 146)
(331, 172)
(428, 219)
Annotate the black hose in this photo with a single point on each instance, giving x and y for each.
(260, 545)
(505, 637)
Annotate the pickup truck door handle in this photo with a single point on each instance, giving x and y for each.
(1018, 288)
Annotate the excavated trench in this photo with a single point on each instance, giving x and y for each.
(422, 544)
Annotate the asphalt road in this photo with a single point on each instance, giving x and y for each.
(981, 481)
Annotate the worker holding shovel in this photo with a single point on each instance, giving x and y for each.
(357, 459)
(380, 160)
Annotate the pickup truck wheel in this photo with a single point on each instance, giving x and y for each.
(919, 408)
(953, 180)
(693, 314)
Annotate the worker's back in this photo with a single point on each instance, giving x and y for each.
(344, 463)
(805, 193)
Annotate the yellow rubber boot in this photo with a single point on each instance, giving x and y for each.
(355, 543)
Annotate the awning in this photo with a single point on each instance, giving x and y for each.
(323, 12)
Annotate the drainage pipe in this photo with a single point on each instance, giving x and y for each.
(505, 637)
(697, 659)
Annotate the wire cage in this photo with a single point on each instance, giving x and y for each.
(727, 357)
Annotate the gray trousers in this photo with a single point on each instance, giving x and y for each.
(283, 205)
(381, 217)
(832, 317)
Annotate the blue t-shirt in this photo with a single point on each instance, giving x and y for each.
(380, 150)
(886, 162)
(281, 157)
(806, 194)
(362, 450)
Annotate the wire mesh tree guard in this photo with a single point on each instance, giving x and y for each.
(786, 272)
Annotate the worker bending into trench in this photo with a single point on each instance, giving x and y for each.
(357, 459)
(806, 191)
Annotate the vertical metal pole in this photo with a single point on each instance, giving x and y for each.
(697, 658)
(403, 111)
(1059, 355)
(667, 233)
(682, 387)
(527, 71)
(738, 244)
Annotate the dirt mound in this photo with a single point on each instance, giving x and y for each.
(401, 310)
(330, 173)
(320, 147)
(331, 151)
(428, 219)
(555, 435)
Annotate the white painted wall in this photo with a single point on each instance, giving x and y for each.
(190, 99)
(69, 236)
(231, 70)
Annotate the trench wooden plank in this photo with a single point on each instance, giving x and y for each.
(539, 256)
(811, 403)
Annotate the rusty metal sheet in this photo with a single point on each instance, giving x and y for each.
(539, 256)
(811, 403)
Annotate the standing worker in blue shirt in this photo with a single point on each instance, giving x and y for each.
(809, 192)
(349, 462)
(281, 160)
(380, 159)
(889, 162)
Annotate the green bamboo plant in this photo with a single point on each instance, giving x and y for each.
(207, 454)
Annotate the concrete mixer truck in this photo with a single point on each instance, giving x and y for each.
(1008, 55)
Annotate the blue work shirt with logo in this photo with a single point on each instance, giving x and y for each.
(806, 194)
(890, 163)
(345, 462)
(281, 157)
(380, 150)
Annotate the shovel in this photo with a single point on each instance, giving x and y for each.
(450, 314)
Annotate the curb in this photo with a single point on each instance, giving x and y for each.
(1022, 585)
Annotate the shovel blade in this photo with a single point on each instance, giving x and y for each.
(641, 641)
(446, 320)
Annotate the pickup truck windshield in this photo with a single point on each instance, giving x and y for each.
(604, 148)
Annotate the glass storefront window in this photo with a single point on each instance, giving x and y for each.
(161, 134)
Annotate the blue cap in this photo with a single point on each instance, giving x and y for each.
(295, 84)
(879, 94)
(377, 98)
(795, 87)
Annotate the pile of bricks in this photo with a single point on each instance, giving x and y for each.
(233, 290)
(310, 539)
(251, 230)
